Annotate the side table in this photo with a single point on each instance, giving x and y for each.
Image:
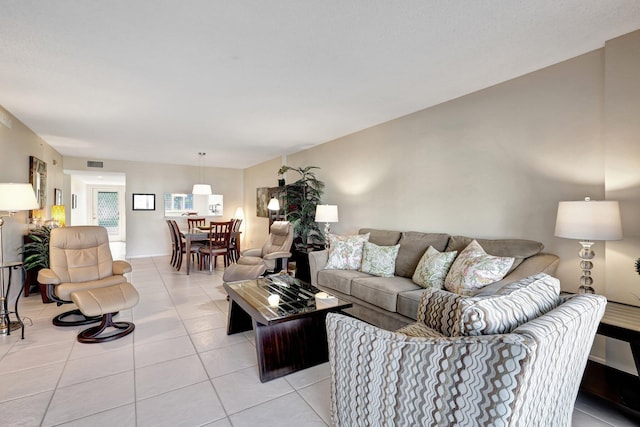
(622, 322)
(6, 325)
(301, 257)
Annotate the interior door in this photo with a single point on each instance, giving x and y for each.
(106, 207)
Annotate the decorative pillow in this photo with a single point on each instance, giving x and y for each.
(514, 305)
(345, 252)
(474, 268)
(433, 268)
(379, 260)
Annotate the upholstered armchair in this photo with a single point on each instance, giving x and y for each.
(529, 377)
(79, 260)
(276, 250)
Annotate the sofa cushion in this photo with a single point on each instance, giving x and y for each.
(381, 237)
(519, 249)
(408, 303)
(381, 291)
(345, 252)
(339, 280)
(413, 245)
(474, 268)
(433, 268)
(513, 305)
(379, 260)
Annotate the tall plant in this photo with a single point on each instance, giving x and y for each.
(301, 199)
(37, 250)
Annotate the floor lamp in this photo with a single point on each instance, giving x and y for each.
(587, 221)
(13, 198)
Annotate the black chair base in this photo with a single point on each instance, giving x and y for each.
(93, 335)
(59, 320)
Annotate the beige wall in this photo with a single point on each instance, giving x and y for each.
(17, 143)
(146, 231)
(491, 164)
(496, 163)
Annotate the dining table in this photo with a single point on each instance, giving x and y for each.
(201, 234)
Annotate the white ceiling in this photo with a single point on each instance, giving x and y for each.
(249, 80)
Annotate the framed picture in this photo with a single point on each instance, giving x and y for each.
(57, 196)
(38, 178)
(144, 202)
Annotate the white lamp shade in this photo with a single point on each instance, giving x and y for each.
(327, 213)
(201, 189)
(17, 197)
(239, 213)
(589, 220)
(274, 204)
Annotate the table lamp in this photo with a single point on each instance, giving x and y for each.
(58, 215)
(587, 221)
(326, 214)
(15, 198)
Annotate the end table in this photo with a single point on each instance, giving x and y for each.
(6, 325)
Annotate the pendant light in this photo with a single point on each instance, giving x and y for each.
(204, 189)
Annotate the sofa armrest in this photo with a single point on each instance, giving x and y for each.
(46, 276)
(121, 267)
(378, 375)
(317, 262)
(539, 263)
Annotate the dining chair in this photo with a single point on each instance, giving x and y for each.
(181, 247)
(196, 222)
(175, 246)
(219, 237)
(234, 254)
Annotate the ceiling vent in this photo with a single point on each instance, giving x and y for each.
(94, 164)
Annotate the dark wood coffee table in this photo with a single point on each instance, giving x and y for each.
(289, 327)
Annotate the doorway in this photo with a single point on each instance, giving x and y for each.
(107, 203)
(98, 198)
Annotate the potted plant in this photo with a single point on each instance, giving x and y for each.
(35, 254)
(301, 199)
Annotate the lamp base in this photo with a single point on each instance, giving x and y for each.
(586, 255)
(327, 229)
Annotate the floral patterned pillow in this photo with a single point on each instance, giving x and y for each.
(379, 260)
(345, 252)
(474, 269)
(433, 268)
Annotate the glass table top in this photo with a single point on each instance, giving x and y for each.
(281, 296)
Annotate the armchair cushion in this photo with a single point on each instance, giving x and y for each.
(511, 307)
(65, 289)
(455, 315)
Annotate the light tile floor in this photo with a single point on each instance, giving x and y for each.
(179, 368)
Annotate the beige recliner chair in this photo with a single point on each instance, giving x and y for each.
(276, 250)
(81, 270)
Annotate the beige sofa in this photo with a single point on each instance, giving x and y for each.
(392, 302)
